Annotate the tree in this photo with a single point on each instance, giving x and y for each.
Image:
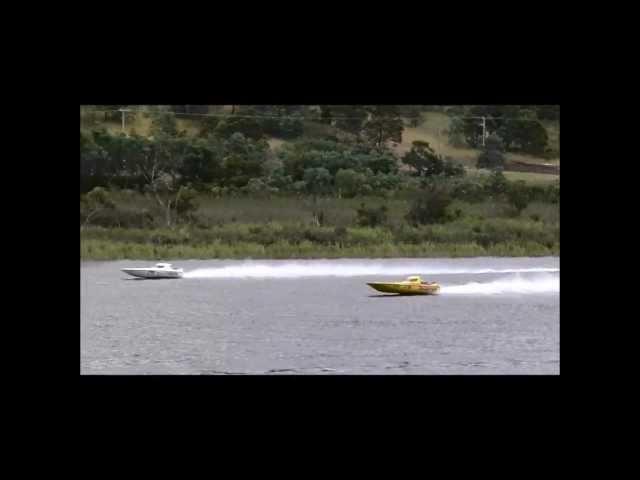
(467, 123)
(185, 201)
(164, 124)
(96, 201)
(326, 115)
(247, 126)
(379, 161)
(526, 135)
(243, 159)
(384, 125)
(452, 168)
(318, 180)
(208, 126)
(456, 133)
(431, 205)
(283, 121)
(349, 182)
(517, 125)
(371, 217)
(492, 156)
(314, 153)
(258, 187)
(423, 159)
(497, 184)
(94, 163)
(201, 162)
(158, 163)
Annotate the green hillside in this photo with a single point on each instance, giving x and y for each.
(433, 128)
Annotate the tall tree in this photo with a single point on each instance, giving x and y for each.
(243, 159)
(526, 135)
(384, 125)
(164, 124)
(423, 159)
(159, 163)
(96, 201)
(492, 156)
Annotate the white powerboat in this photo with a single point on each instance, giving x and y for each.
(161, 270)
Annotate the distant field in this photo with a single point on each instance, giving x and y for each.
(140, 123)
(541, 178)
(532, 178)
(433, 129)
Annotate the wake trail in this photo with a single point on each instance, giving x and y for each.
(299, 270)
(542, 283)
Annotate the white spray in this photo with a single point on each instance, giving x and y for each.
(329, 269)
(540, 283)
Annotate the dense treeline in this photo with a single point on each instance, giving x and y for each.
(520, 127)
(231, 152)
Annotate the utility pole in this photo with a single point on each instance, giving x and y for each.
(484, 129)
(123, 111)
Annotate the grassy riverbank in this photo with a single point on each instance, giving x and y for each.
(106, 250)
(287, 227)
(463, 238)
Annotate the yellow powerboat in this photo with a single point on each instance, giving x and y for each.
(411, 286)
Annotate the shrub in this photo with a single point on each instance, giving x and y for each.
(349, 183)
(452, 168)
(371, 217)
(471, 191)
(553, 193)
(457, 140)
(430, 206)
(518, 195)
(492, 156)
(496, 184)
(185, 201)
(317, 180)
(164, 124)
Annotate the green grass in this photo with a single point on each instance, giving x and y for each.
(532, 178)
(110, 250)
(481, 231)
(137, 210)
(282, 227)
(529, 177)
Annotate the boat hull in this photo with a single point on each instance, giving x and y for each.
(148, 273)
(406, 288)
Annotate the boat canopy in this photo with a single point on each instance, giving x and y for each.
(414, 278)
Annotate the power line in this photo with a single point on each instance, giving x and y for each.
(233, 115)
(297, 117)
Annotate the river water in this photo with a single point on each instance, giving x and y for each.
(493, 316)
